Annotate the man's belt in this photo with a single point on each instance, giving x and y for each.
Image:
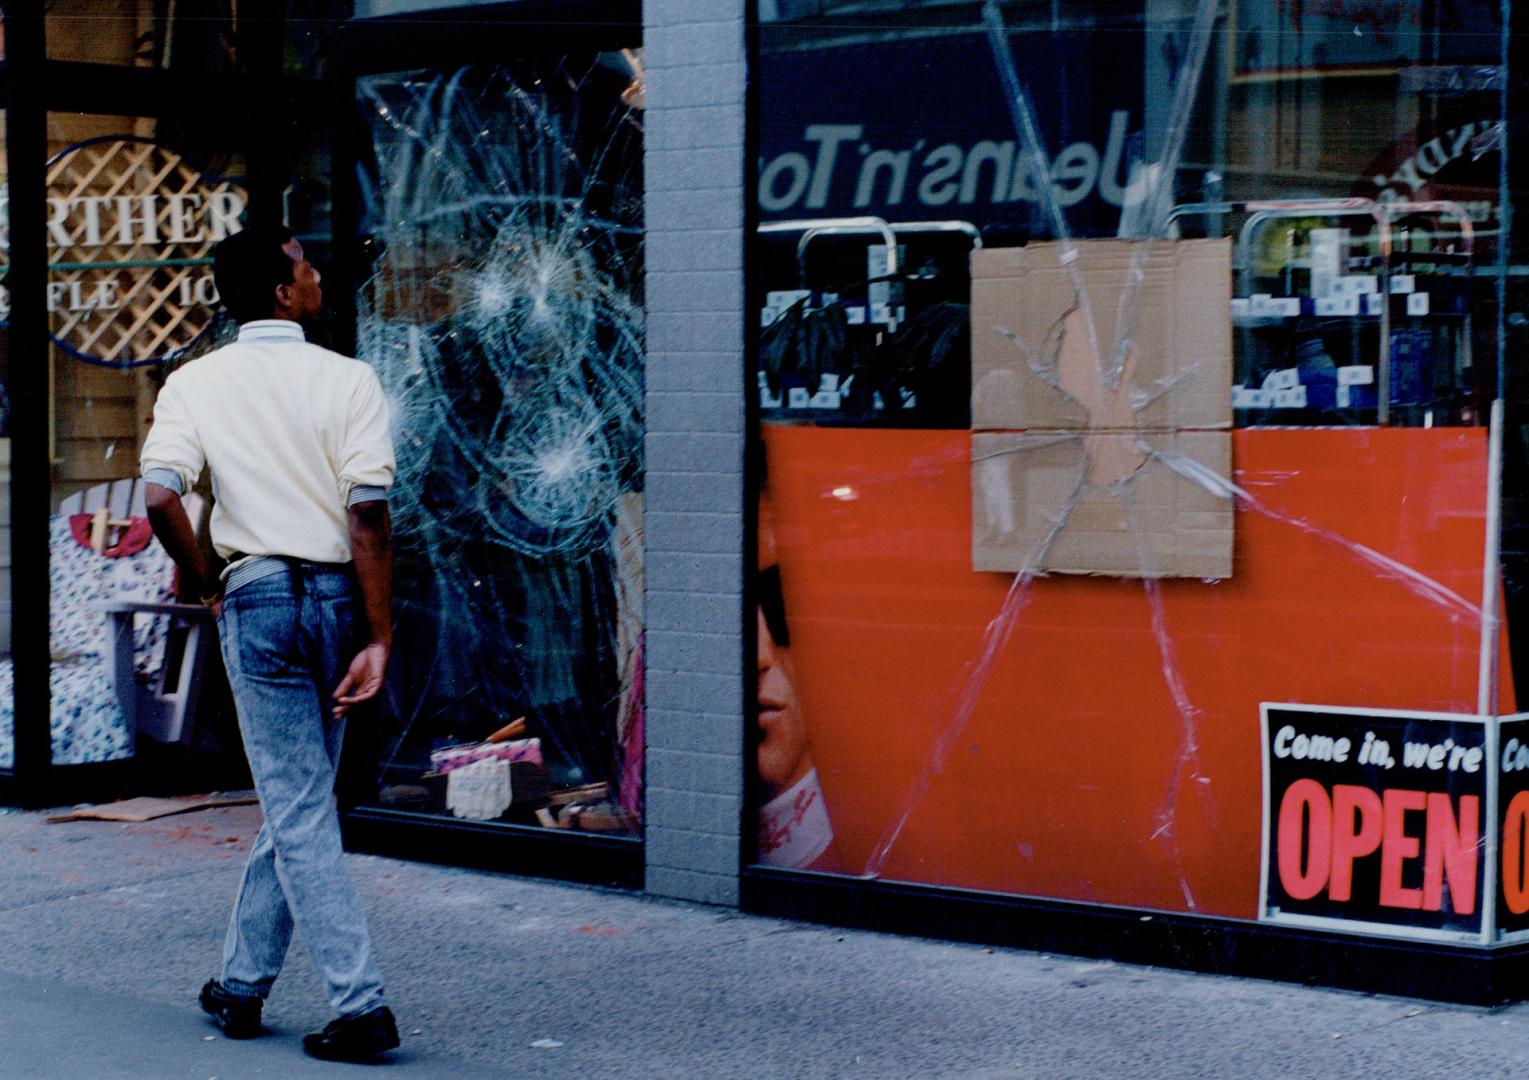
(248, 568)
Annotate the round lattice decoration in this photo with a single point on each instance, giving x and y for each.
(131, 228)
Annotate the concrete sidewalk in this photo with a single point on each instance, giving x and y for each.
(107, 931)
(50, 1028)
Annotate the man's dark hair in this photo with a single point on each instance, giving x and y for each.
(248, 266)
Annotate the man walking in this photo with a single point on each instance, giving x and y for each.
(297, 441)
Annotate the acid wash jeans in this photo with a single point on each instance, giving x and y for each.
(287, 640)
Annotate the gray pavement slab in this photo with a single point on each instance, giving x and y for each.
(112, 928)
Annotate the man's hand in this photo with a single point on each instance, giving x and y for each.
(364, 679)
(371, 531)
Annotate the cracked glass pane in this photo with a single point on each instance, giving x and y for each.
(504, 314)
(1102, 419)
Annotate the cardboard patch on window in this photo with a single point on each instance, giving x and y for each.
(1032, 355)
(1034, 509)
(1071, 430)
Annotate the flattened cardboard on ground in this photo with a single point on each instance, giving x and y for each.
(1154, 524)
(1181, 337)
(147, 808)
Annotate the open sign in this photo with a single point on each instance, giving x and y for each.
(1375, 821)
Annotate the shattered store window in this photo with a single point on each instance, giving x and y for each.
(1126, 379)
(504, 314)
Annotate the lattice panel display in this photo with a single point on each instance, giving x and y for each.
(131, 228)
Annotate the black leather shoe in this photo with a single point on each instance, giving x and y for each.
(355, 1038)
(237, 1015)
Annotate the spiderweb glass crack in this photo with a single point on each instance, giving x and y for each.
(503, 316)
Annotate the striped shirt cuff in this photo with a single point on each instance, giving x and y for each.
(362, 493)
(166, 478)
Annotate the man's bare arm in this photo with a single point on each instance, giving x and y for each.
(371, 544)
(167, 517)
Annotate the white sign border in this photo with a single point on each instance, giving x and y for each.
(1487, 840)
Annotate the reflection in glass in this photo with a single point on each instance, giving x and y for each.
(132, 221)
(193, 37)
(504, 316)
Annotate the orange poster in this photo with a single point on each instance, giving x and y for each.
(1090, 738)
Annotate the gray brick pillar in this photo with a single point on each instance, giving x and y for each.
(693, 53)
